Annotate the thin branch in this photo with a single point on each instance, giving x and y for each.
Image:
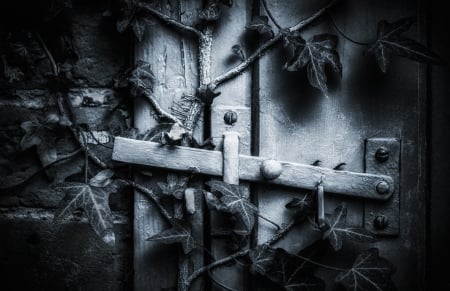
(281, 233)
(172, 22)
(75, 131)
(150, 194)
(266, 46)
(48, 54)
(217, 263)
(161, 112)
(266, 8)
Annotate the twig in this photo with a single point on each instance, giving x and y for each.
(75, 131)
(172, 22)
(161, 112)
(264, 2)
(281, 233)
(48, 54)
(150, 194)
(217, 263)
(276, 237)
(267, 45)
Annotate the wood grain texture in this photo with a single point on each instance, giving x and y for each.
(207, 162)
(174, 62)
(298, 124)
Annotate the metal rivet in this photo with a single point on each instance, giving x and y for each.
(271, 169)
(380, 222)
(382, 187)
(230, 117)
(382, 154)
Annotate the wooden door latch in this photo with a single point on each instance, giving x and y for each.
(380, 182)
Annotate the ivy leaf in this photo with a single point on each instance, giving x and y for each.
(175, 186)
(93, 200)
(338, 230)
(369, 272)
(134, 18)
(262, 259)
(315, 54)
(260, 24)
(13, 74)
(210, 13)
(141, 79)
(293, 273)
(390, 42)
(231, 200)
(304, 204)
(41, 133)
(180, 232)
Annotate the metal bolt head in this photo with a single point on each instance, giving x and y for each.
(380, 222)
(383, 187)
(271, 169)
(382, 154)
(230, 117)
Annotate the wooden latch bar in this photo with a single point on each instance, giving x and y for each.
(362, 185)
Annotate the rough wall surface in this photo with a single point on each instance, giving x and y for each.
(35, 253)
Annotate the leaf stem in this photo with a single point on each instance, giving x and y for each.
(161, 112)
(333, 22)
(266, 46)
(170, 21)
(319, 264)
(150, 194)
(268, 220)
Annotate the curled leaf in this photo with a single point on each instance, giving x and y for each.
(180, 232)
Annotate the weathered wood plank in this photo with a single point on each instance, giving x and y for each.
(174, 62)
(299, 124)
(186, 159)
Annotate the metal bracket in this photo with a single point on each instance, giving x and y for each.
(383, 158)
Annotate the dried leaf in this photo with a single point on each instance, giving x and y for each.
(293, 272)
(315, 54)
(180, 232)
(231, 200)
(210, 13)
(390, 42)
(141, 79)
(369, 272)
(260, 24)
(175, 186)
(262, 259)
(94, 201)
(338, 230)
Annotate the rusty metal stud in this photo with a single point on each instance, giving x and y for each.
(382, 187)
(382, 154)
(230, 117)
(380, 222)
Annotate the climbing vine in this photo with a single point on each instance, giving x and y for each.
(99, 177)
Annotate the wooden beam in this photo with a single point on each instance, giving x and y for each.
(211, 163)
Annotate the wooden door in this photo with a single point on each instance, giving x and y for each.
(282, 117)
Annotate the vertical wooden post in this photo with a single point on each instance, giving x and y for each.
(235, 97)
(173, 58)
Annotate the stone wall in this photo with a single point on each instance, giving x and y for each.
(35, 253)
